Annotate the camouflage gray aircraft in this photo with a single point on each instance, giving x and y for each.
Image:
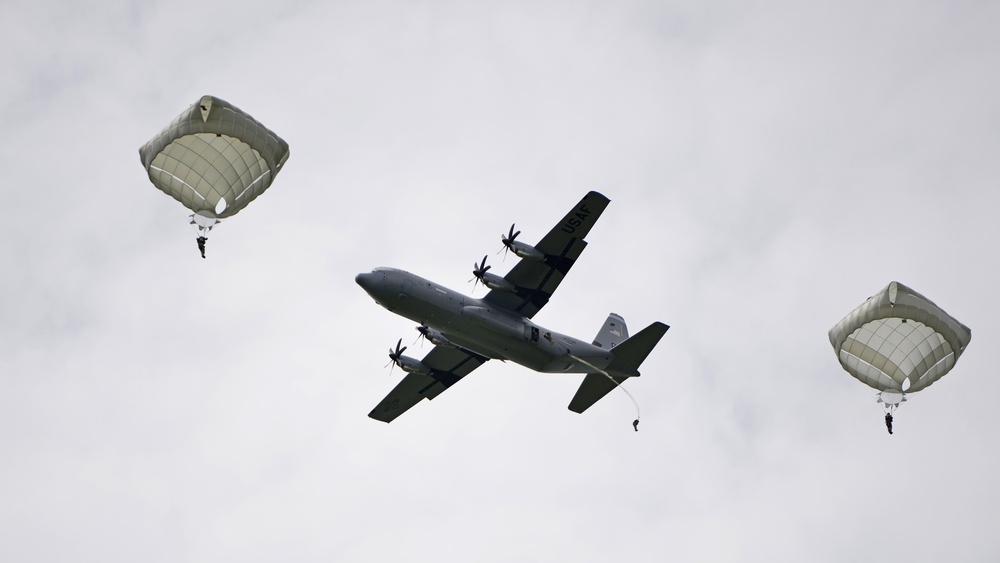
(466, 332)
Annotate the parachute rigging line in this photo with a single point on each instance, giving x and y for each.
(635, 423)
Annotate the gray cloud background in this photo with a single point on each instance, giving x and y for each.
(770, 166)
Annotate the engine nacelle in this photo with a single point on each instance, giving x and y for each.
(525, 250)
(493, 281)
(435, 337)
(410, 365)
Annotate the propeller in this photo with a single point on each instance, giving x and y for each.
(394, 356)
(508, 241)
(479, 271)
(422, 329)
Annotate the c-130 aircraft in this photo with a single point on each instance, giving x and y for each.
(466, 332)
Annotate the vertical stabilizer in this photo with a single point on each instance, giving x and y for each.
(613, 333)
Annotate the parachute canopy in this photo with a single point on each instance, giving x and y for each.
(898, 341)
(214, 158)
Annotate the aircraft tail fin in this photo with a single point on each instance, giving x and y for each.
(628, 356)
(613, 333)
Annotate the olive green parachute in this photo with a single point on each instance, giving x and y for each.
(898, 342)
(213, 158)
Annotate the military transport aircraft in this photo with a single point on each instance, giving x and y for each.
(466, 332)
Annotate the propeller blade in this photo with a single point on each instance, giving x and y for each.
(479, 271)
(508, 241)
(511, 235)
(394, 356)
(422, 329)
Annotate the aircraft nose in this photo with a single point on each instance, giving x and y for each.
(368, 281)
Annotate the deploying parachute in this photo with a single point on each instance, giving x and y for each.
(898, 342)
(215, 159)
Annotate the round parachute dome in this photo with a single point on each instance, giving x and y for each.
(214, 158)
(899, 342)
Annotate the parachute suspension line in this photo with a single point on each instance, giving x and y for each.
(635, 423)
(204, 221)
(888, 409)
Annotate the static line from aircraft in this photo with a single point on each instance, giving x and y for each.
(466, 331)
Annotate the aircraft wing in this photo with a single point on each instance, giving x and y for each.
(448, 364)
(536, 280)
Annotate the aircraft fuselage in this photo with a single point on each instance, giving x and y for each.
(480, 327)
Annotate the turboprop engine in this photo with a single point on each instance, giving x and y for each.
(521, 249)
(408, 364)
(492, 281)
(434, 336)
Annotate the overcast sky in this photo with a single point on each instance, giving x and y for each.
(770, 165)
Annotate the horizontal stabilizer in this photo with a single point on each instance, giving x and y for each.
(594, 387)
(625, 362)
